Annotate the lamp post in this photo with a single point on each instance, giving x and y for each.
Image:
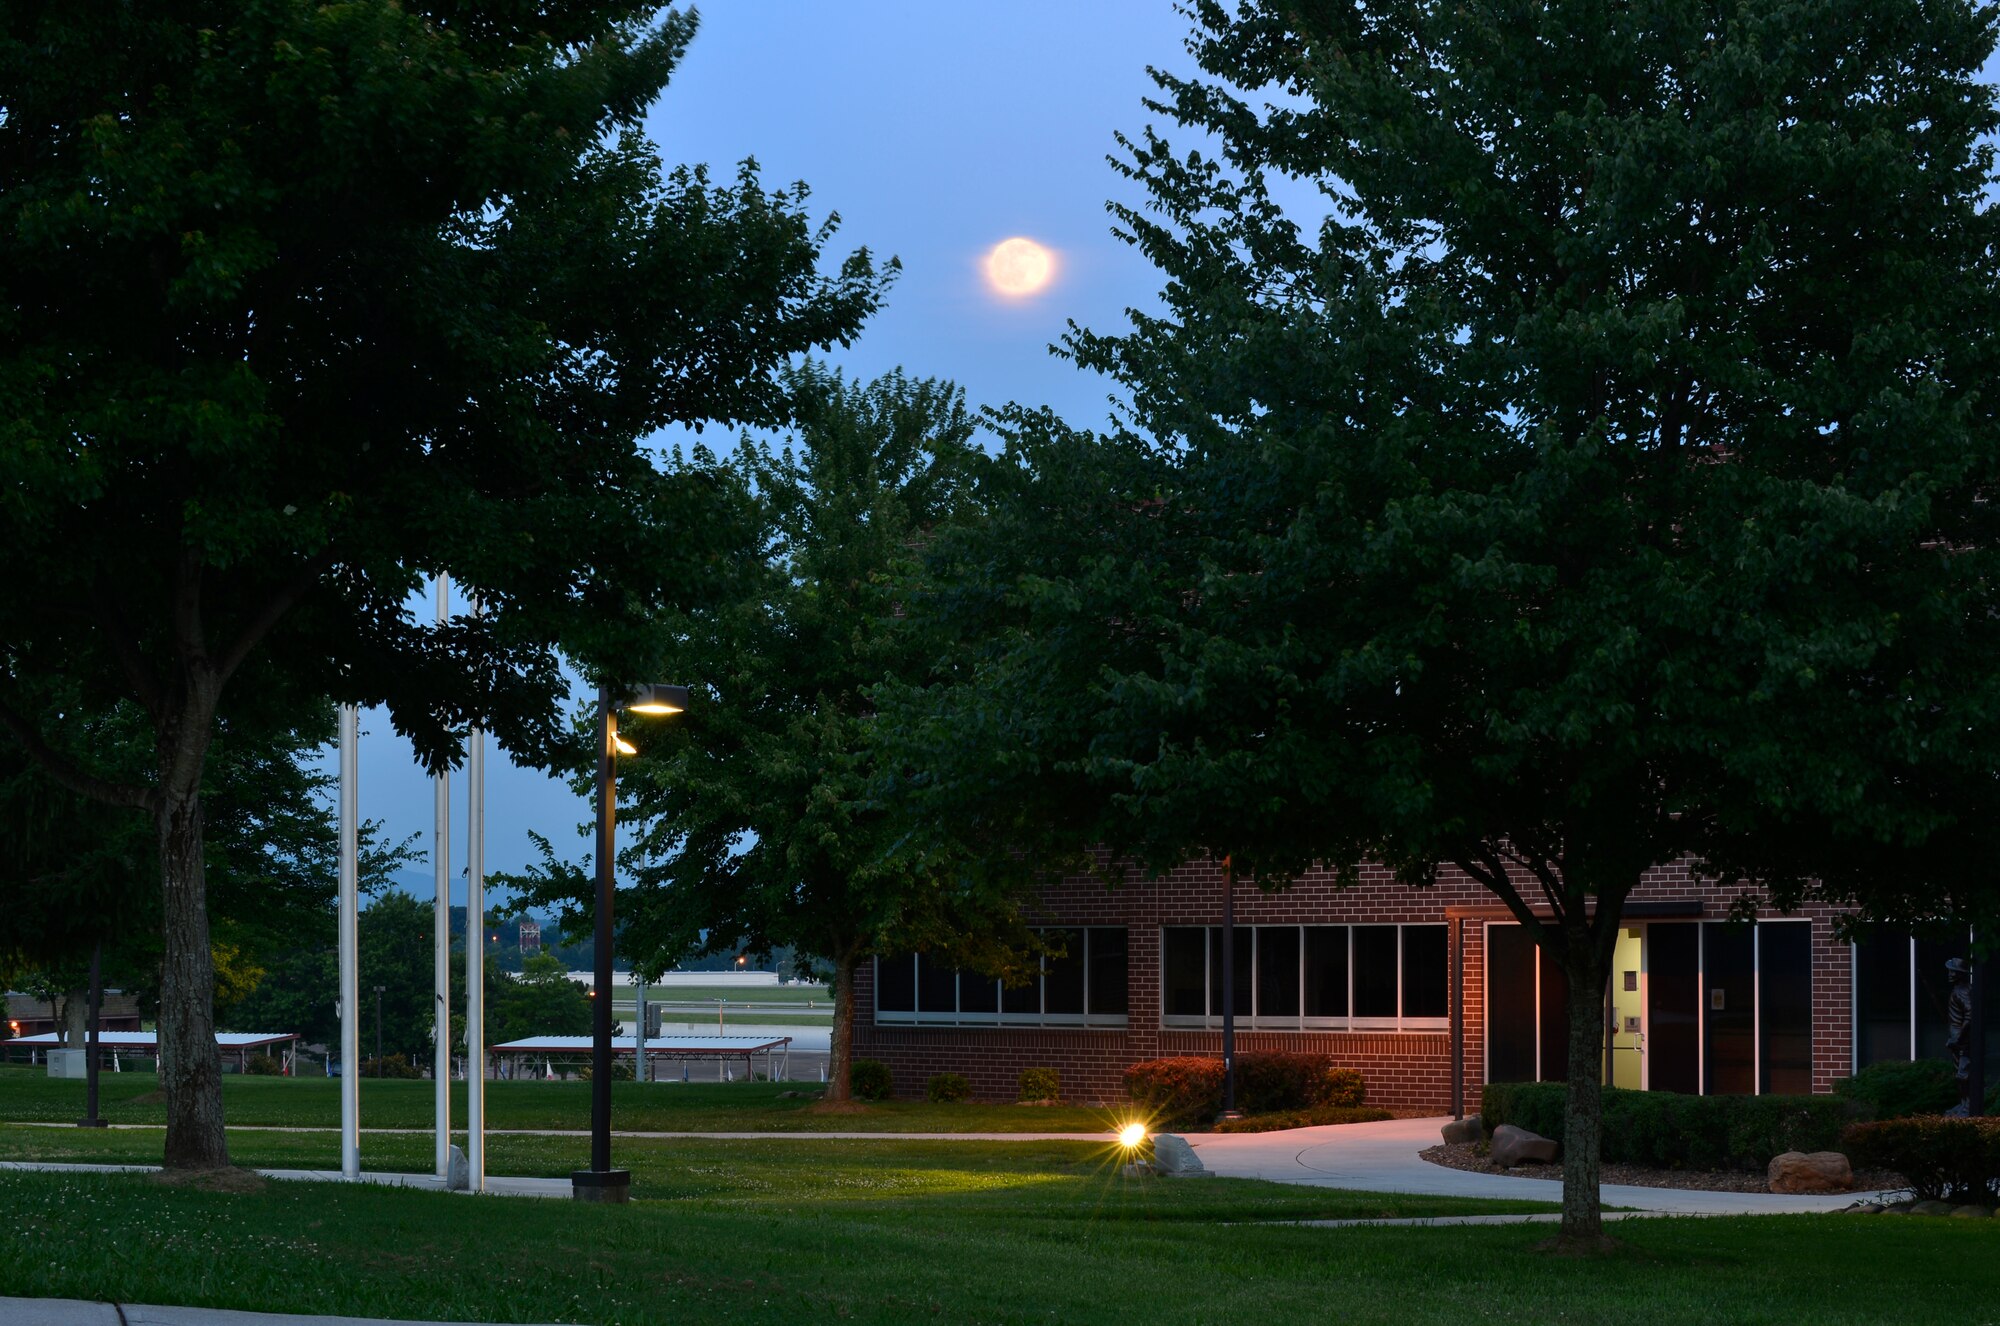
(601, 1183)
(91, 1053)
(378, 1029)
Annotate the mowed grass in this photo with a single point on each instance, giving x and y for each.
(29, 1095)
(983, 1232)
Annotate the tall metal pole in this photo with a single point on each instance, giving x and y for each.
(350, 971)
(475, 959)
(441, 939)
(1982, 972)
(1229, 986)
(638, 1025)
(601, 1183)
(91, 1053)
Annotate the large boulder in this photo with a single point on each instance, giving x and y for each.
(1517, 1146)
(1464, 1130)
(1810, 1171)
(1175, 1159)
(458, 1174)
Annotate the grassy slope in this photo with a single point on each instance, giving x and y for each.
(985, 1233)
(29, 1095)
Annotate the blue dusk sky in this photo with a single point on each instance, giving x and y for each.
(935, 130)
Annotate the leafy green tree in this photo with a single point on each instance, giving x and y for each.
(302, 304)
(1562, 450)
(760, 814)
(541, 1001)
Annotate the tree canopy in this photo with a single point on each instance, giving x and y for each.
(1562, 449)
(764, 816)
(300, 305)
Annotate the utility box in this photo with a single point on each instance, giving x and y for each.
(67, 1063)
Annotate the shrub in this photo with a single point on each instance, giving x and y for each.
(1341, 1087)
(1039, 1084)
(1673, 1131)
(943, 1088)
(1176, 1092)
(869, 1079)
(390, 1065)
(620, 1071)
(1315, 1117)
(1950, 1160)
(263, 1065)
(1897, 1089)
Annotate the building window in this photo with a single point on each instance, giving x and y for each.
(1902, 992)
(1312, 977)
(1083, 986)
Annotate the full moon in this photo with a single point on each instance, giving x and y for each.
(1019, 267)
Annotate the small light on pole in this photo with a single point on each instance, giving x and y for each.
(601, 1183)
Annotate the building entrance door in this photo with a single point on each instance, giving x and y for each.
(1625, 1012)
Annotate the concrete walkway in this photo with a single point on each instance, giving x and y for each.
(1382, 1157)
(457, 1132)
(83, 1312)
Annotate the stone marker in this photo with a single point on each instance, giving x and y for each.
(1175, 1159)
(1517, 1146)
(457, 1174)
(1810, 1171)
(1467, 1129)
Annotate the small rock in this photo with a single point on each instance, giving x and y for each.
(1464, 1130)
(1173, 1158)
(1517, 1146)
(1866, 1208)
(457, 1174)
(1972, 1212)
(1810, 1171)
(1932, 1208)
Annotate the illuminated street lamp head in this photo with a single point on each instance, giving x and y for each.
(656, 697)
(622, 746)
(1132, 1135)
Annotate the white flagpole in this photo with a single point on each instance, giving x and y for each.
(441, 938)
(475, 958)
(350, 981)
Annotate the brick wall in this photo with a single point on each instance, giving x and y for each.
(1408, 1070)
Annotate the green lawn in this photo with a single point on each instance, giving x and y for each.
(800, 995)
(966, 1232)
(28, 1094)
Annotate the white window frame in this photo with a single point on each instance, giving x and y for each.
(958, 1017)
(1256, 1019)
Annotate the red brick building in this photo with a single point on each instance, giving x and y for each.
(1430, 993)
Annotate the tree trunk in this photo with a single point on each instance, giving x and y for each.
(840, 1044)
(190, 1070)
(1582, 1228)
(73, 1030)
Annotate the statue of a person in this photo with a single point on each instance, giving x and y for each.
(1959, 1044)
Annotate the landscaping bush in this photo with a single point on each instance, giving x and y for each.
(263, 1065)
(869, 1079)
(390, 1065)
(1899, 1088)
(1176, 1092)
(620, 1071)
(1040, 1084)
(1672, 1131)
(1187, 1089)
(943, 1088)
(1315, 1117)
(1949, 1160)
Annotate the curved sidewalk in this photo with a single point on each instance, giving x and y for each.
(1383, 1157)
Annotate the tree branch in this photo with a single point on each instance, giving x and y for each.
(272, 612)
(102, 607)
(61, 768)
(1491, 872)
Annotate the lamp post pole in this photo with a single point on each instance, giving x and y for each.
(91, 1053)
(601, 1183)
(1229, 987)
(378, 1030)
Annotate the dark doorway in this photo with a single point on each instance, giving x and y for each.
(1510, 1004)
(1673, 974)
(1729, 1004)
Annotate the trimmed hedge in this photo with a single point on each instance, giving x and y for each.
(869, 1079)
(944, 1088)
(1672, 1131)
(1187, 1089)
(1897, 1089)
(1040, 1084)
(1949, 1160)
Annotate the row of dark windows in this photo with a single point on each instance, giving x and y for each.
(1323, 975)
(1728, 1008)
(1083, 982)
(1902, 995)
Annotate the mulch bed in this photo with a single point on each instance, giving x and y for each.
(1465, 1155)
